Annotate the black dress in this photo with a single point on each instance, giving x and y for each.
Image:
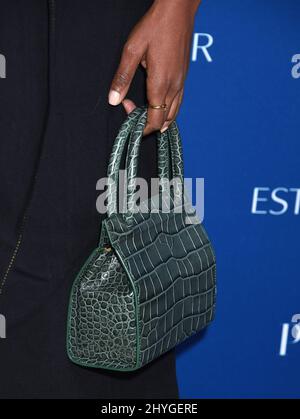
(56, 134)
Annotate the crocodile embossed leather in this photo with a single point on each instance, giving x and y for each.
(151, 283)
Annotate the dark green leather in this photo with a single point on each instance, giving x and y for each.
(157, 286)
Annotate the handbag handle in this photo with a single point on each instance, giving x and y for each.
(173, 140)
(133, 127)
(115, 159)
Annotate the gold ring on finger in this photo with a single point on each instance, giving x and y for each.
(162, 107)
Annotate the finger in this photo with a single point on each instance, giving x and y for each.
(123, 77)
(155, 121)
(173, 112)
(129, 105)
(157, 95)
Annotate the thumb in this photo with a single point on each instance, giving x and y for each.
(124, 75)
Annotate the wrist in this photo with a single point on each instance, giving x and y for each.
(187, 5)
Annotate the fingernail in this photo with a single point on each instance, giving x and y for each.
(114, 97)
(164, 129)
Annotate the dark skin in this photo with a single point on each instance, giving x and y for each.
(160, 42)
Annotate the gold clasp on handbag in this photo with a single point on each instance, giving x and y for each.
(107, 249)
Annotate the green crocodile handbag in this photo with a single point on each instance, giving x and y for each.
(151, 282)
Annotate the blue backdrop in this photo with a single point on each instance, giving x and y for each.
(240, 125)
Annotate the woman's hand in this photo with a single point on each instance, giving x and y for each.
(160, 42)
